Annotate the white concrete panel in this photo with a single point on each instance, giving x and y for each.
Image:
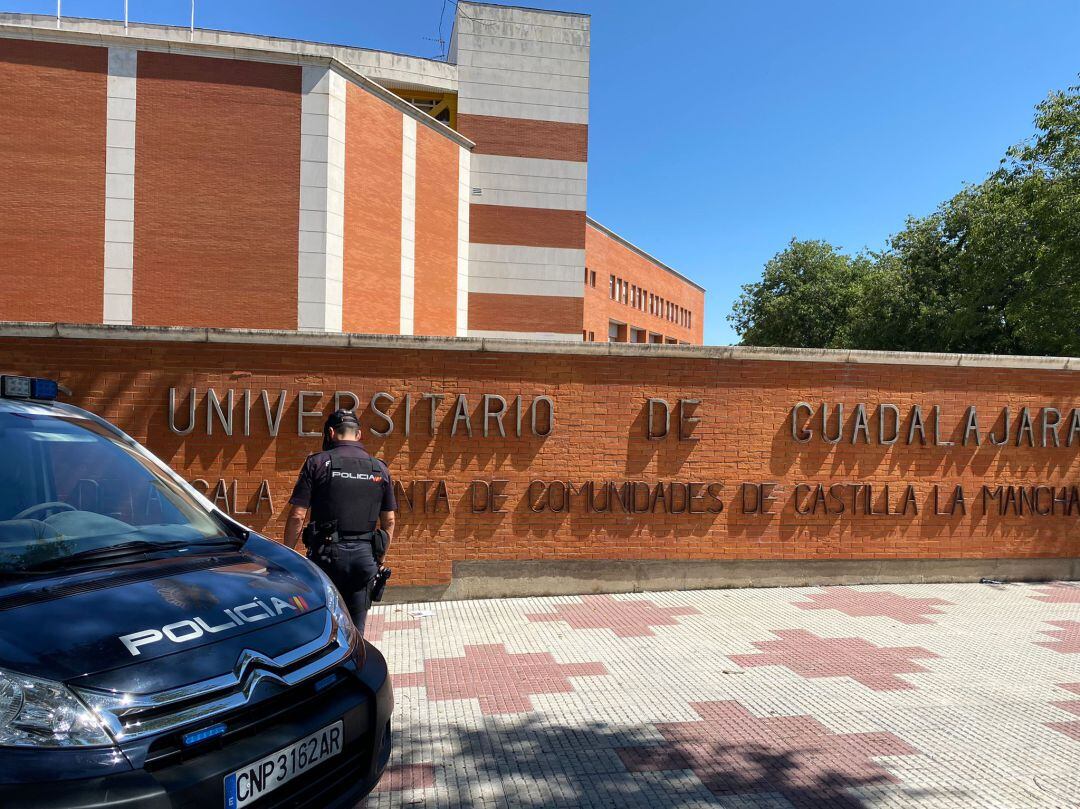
(119, 209)
(568, 52)
(514, 76)
(120, 109)
(524, 286)
(529, 167)
(538, 96)
(408, 223)
(119, 231)
(119, 186)
(118, 278)
(574, 337)
(527, 182)
(498, 253)
(118, 255)
(528, 272)
(484, 12)
(320, 237)
(530, 199)
(531, 112)
(515, 62)
(464, 193)
(120, 161)
(116, 309)
(119, 259)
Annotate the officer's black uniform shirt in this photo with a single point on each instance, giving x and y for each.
(315, 474)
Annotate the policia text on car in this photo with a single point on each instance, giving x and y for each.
(350, 498)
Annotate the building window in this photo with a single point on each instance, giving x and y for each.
(613, 287)
(592, 279)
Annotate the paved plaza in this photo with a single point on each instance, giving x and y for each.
(900, 695)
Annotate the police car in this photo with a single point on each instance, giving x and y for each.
(154, 653)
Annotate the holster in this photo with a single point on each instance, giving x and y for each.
(379, 583)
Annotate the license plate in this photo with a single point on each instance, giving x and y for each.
(248, 784)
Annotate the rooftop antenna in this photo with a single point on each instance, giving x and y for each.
(193, 20)
(58, 13)
(125, 15)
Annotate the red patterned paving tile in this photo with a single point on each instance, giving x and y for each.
(502, 682)
(734, 752)
(1059, 593)
(863, 604)
(378, 625)
(1072, 727)
(811, 656)
(400, 777)
(1066, 637)
(627, 619)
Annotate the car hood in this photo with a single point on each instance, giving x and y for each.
(163, 622)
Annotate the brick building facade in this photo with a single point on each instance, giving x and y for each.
(160, 176)
(530, 468)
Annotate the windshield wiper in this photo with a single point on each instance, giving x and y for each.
(113, 553)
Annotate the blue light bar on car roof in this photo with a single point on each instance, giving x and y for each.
(26, 387)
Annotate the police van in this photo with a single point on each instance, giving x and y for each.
(155, 653)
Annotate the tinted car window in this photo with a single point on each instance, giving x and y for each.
(68, 485)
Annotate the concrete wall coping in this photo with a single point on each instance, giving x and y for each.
(643, 253)
(508, 346)
(554, 12)
(105, 40)
(265, 42)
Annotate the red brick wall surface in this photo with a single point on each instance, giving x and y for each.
(521, 137)
(435, 292)
(372, 281)
(52, 180)
(599, 435)
(556, 314)
(606, 257)
(217, 192)
(529, 227)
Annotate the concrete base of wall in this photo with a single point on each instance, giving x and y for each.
(507, 579)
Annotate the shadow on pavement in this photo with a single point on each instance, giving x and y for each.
(531, 764)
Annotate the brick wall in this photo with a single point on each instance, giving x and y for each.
(519, 137)
(606, 257)
(436, 234)
(599, 435)
(371, 297)
(217, 192)
(52, 180)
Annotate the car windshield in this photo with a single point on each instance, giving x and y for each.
(69, 486)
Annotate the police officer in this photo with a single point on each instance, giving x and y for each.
(348, 494)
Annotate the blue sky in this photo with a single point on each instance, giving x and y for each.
(719, 130)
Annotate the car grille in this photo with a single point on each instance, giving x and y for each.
(134, 716)
(294, 705)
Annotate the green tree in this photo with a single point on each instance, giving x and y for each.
(995, 269)
(804, 298)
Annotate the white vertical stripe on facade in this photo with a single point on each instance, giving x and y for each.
(120, 187)
(322, 200)
(408, 223)
(464, 186)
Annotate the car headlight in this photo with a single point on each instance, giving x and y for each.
(41, 713)
(337, 609)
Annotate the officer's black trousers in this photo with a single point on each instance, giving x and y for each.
(352, 567)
